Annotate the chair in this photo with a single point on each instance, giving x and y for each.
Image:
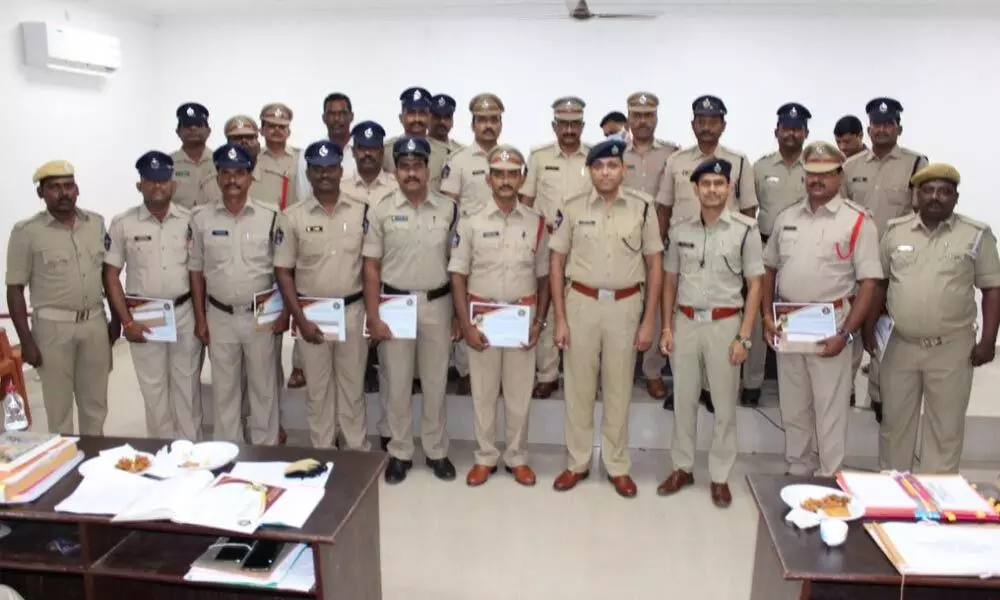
(11, 365)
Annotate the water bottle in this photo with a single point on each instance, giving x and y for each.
(15, 416)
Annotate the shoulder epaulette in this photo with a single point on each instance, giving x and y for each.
(669, 144)
(743, 219)
(768, 155)
(969, 221)
(855, 206)
(542, 147)
(797, 203)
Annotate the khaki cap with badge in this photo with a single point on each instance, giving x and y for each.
(822, 157)
(936, 171)
(53, 168)
(643, 102)
(486, 104)
(276, 113)
(568, 108)
(506, 158)
(241, 125)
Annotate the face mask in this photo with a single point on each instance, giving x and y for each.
(620, 136)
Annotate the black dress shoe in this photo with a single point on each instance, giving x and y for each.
(417, 388)
(877, 407)
(706, 399)
(383, 440)
(852, 398)
(668, 402)
(442, 467)
(396, 470)
(750, 397)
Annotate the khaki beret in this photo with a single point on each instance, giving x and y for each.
(936, 171)
(822, 157)
(53, 168)
(506, 158)
(276, 113)
(486, 104)
(568, 108)
(241, 125)
(643, 102)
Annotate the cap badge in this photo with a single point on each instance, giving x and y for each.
(706, 103)
(485, 103)
(240, 124)
(323, 150)
(441, 102)
(411, 145)
(717, 168)
(793, 113)
(505, 156)
(190, 111)
(232, 154)
(416, 94)
(819, 151)
(369, 133)
(154, 164)
(883, 108)
(278, 113)
(66, 167)
(614, 150)
(569, 104)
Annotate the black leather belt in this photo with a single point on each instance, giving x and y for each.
(434, 294)
(182, 299)
(229, 308)
(348, 300)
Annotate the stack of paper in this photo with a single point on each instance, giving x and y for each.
(295, 573)
(27, 458)
(895, 495)
(936, 550)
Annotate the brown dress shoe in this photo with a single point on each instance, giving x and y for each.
(721, 497)
(544, 389)
(567, 480)
(674, 482)
(463, 387)
(523, 475)
(624, 485)
(297, 379)
(282, 436)
(478, 475)
(656, 388)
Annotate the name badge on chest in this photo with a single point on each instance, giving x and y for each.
(314, 229)
(400, 218)
(142, 238)
(220, 232)
(491, 234)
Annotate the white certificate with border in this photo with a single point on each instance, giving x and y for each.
(504, 325)
(801, 326)
(267, 306)
(399, 313)
(156, 314)
(328, 314)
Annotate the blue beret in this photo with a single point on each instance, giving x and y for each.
(324, 154)
(232, 156)
(883, 110)
(709, 106)
(409, 145)
(155, 165)
(415, 98)
(793, 114)
(368, 134)
(717, 166)
(192, 113)
(443, 105)
(612, 148)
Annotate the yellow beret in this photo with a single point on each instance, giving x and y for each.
(936, 171)
(53, 168)
(241, 125)
(643, 102)
(569, 108)
(276, 113)
(486, 104)
(506, 158)
(822, 157)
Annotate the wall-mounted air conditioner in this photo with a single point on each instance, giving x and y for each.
(55, 46)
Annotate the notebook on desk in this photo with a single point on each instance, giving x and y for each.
(935, 551)
(893, 495)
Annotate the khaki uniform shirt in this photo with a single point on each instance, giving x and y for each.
(503, 255)
(712, 262)
(156, 252)
(606, 245)
(882, 185)
(645, 169)
(61, 267)
(453, 146)
(412, 242)
(553, 177)
(355, 187)
(677, 191)
(778, 186)
(812, 252)
(196, 184)
(932, 273)
(438, 158)
(323, 247)
(465, 175)
(235, 252)
(278, 176)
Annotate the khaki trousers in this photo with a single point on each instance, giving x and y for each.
(602, 338)
(754, 365)
(297, 354)
(705, 346)
(335, 385)
(489, 370)
(814, 398)
(236, 350)
(941, 376)
(461, 350)
(652, 361)
(76, 361)
(168, 375)
(398, 358)
(546, 353)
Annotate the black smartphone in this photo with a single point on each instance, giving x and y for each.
(235, 550)
(262, 556)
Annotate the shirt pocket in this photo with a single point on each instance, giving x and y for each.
(902, 260)
(630, 235)
(312, 248)
(178, 246)
(218, 251)
(56, 262)
(256, 247)
(955, 263)
(788, 241)
(351, 239)
(139, 253)
(398, 233)
(690, 259)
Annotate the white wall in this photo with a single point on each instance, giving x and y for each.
(101, 129)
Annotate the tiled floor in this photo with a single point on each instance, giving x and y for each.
(445, 541)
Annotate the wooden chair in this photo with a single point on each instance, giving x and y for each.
(12, 366)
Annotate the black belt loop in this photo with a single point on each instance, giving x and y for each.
(226, 308)
(179, 300)
(431, 295)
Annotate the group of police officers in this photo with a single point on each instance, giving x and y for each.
(631, 246)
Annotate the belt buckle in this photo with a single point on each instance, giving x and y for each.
(703, 315)
(82, 315)
(605, 295)
(930, 342)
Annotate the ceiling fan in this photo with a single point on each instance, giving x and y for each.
(580, 11)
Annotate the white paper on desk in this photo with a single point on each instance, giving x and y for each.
(399, 313)
(156, 314)
(504, 325)
(106, 492)
(295, 573)
(943, 550)
(273, 473)
(877, 489)
(294, 507)
(883, 331)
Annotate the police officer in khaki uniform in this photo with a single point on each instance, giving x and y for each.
(819, 251)
(607, 241)
(338, 114)
(370, 182)
(406, 252)
(319, 256)
(442, 121)
(933, 261)
(879, 179)
(58, 254)
(500, 256)
(277, 161)
(231, 260)
(556, 171)
(193, 168)
(151, 239)
(706, 319)
(415, 116)
(645, 159)
(779, 181)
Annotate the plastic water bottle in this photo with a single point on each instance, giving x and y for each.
(15, 416)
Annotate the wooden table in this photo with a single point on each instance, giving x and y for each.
(793, 564)
(148, 560)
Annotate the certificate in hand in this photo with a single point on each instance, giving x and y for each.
(504, 325)
(328, 314)
(399, 313)
(267, 306)
(156, 314)
(801, 326)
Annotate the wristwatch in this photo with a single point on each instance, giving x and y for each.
(542, 322)
(847, 335)
(745, 342)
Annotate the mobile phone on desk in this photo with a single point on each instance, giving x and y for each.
(234, 549)
(263, 555)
